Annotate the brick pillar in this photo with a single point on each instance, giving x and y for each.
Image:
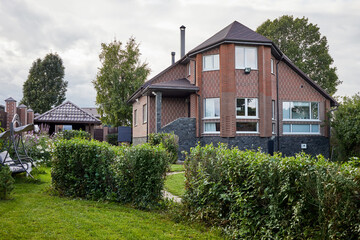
(22, 112)
(30, 116)
(158, 99)
(10, 109)
(197, 99)
(227, 91)
(265, 93)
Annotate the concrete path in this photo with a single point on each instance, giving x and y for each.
(168, 195)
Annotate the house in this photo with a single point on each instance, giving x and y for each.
(237, 87)
(26, 115)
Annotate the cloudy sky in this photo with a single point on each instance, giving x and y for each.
(30, 29)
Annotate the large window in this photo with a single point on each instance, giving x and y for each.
(246, 108)
(211, 127)
(212, 108)
(247, 127)
(245, 57)
(211, 62)
(144, 113)
(301, 129)
(301, 110)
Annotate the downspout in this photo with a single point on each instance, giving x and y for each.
(147, 118)
(277, 104)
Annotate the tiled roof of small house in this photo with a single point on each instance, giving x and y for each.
(67, 112)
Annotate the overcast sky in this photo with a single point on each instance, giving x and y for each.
(75, 30)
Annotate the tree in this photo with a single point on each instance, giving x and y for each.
(346, 128)
(302, 42)
(120, 75)
(45, 86)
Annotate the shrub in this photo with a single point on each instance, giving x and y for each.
(97, 170)
(39, 147)
(6, 182)
(169, 140)
(253, 195)
(112, 138)
(70, 134)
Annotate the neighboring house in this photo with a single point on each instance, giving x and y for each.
(26, 115)
(229, 89)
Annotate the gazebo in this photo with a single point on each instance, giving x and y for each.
(68, 116)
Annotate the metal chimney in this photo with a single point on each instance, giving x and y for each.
(182, 40)
(172, 58)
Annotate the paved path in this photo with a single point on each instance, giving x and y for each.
(168, 195)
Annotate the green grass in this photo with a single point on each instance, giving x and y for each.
(175, 184)
(177, 168)
(33, 213)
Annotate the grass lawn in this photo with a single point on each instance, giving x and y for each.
(34, 214)
(175, 184)
(177, 168)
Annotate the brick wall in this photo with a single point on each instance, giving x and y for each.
(172, 109)
(176, 72)
(11, 111)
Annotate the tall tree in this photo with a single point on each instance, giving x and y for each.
(45, 86)
(119, 76)
(302, 42)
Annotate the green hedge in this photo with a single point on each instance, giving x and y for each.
(6, 182)
(253, 195)
(97, 170)
(69, 134)
(169, 140)
(112, 138)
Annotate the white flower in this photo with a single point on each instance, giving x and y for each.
(39, 147)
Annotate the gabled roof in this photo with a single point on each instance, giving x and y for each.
(235, 32)
(67, 112)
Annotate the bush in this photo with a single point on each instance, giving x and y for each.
(253, 195)
(96, 170)
(169, 140)
(6, 182)
(39, 147)
(70, 134)
(112, 139)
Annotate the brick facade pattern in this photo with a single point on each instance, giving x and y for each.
(172, 109)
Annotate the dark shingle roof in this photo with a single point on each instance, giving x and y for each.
(22, 106)
(179, 83)
(10, 99)
(67, 113)
(234, 32)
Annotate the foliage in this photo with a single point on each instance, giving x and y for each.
(140, 173)
(97, 170)
(253, 195)
(39, 147)
(6, 182)
(120, 75)
(48, 217)
(1, 141)
(175, 184)
(70, 134)
(346, 128)
(45, 86)
(169, 140)
(302, 42)
(112, 138)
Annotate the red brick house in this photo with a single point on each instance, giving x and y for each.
(237, 87)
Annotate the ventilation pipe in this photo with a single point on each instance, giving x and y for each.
(172, 58)
(182, 40)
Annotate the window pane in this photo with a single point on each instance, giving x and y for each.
(208, 63)
(251, 58)
(217, 107)
(272, 65)
(212, 107)
(314, 110)
(251, 104)
(286, 110)
(273, 128)
(301, 128)
(240, 107)
(286, 128)
(212, 127)
(144, 113)
(246, 127)
(216, 62)
(315, 128)
(300, 110)
(273, 109)
(239, 57)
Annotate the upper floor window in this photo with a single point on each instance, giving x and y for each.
(246, 107)
(212, 107)
(245, 57)
(211, 62)
(272, 65)
(144, 113)
(301, 110)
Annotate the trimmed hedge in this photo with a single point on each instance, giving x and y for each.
(6, 182)
(70, 134)
(253, 195)
(169, 140)
(98, 171)
(112, 138)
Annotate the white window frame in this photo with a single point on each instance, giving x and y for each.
(135, 117)
(257, 129)
(246, 109)
(273, 107)
(237, 65)
(272, 65)
(300, 133)
(214, 132)
(213, 57)
(273, 126)
(206, 118)
(301, 120)
(144, 113)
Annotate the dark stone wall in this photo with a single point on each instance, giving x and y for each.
(242, 142)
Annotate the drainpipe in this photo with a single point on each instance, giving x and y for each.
(277, 104)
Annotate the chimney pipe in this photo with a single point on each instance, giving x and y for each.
(182, 40)
(172, 58)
